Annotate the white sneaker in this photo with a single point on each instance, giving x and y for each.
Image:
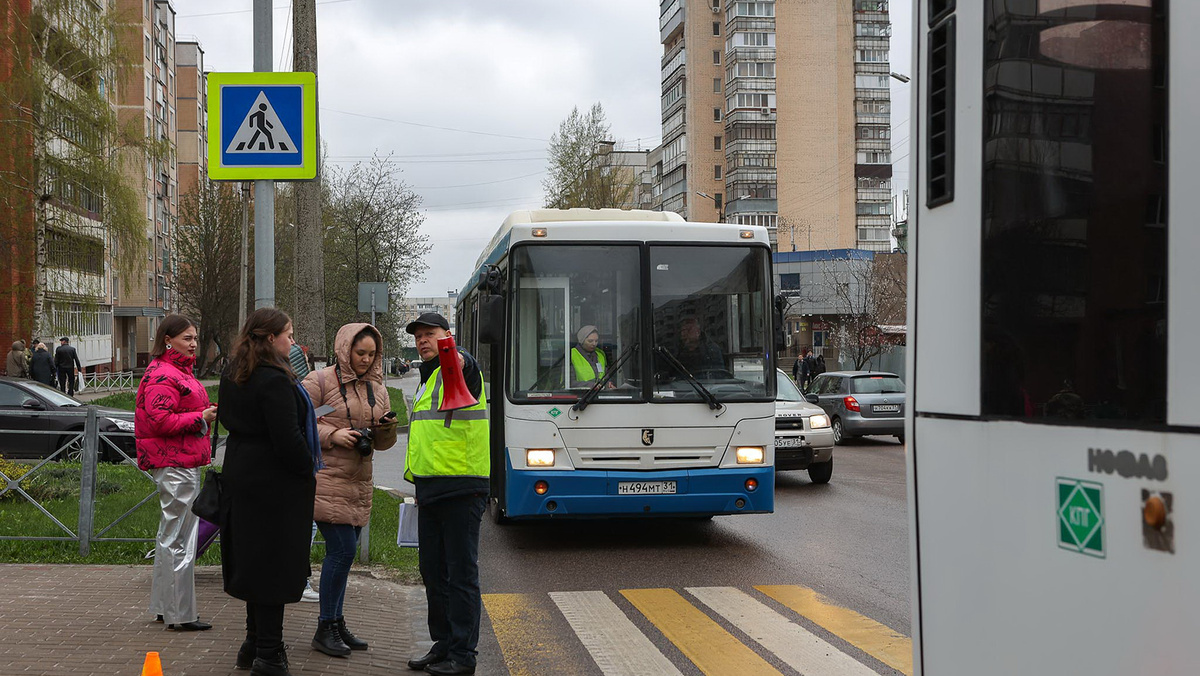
(310, 595)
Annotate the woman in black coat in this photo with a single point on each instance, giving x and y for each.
(41, 367)
(267, 485)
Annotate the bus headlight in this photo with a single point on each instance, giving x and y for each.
(749, 455)
(539, 457)
(818, 421)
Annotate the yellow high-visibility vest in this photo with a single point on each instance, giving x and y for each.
(450, 443)
(583, 368)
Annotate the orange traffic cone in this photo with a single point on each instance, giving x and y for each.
(152, 666)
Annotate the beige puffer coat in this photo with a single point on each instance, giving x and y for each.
(344, 486)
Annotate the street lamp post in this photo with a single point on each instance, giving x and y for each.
(719, 205)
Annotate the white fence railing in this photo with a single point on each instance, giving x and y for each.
(123, 380)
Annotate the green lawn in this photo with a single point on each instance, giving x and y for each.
(119, 489)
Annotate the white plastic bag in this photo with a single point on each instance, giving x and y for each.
(406, 533)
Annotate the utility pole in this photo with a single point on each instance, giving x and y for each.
(242, 270)
(309, 314)
(264, 191)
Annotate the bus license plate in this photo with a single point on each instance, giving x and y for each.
(645, 488)
(787, 442)
(886, 408)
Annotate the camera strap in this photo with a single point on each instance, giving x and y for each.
(345, 400)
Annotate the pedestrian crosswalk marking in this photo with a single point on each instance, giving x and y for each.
(799, 648)
(524, 628)
(699, 637)
(615, 643)
(877, 640)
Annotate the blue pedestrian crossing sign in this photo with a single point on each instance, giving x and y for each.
(262, 126)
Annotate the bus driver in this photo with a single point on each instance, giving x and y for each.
(588, 364)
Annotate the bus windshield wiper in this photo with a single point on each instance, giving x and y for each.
(700, 389)
(594, 391)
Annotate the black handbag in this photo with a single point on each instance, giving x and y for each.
(207, 504)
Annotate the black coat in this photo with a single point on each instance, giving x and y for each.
(268, 488)
(41, 368)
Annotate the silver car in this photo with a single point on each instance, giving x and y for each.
(803, 437)
(860, 402)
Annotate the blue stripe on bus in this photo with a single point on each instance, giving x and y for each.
(592, 493)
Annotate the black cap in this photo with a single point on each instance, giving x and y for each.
(64, 339)
(427, 319)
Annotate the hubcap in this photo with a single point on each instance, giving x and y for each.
(837, 430)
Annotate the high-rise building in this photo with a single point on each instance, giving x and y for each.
(777, 114)
(148, 95)
(192, 115)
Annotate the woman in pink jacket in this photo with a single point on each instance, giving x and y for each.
(171, 425)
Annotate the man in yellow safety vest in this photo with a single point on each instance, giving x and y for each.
(448, 461)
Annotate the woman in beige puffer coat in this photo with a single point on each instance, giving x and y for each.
(354, 387)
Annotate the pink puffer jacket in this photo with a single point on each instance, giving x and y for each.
(169, 422)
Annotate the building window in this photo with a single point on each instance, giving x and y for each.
(716, 114)
(717, 171)
(716, 57)
(716, 28)
(717, 84)
(716, 143)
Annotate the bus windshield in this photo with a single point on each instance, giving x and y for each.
(709, 308)
(576, 312)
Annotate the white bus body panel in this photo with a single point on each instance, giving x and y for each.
(993, 592)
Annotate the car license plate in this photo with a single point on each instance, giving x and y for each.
(787, 442)
(886, 408)
(645, 488)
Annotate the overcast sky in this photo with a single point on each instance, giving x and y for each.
(466, 93)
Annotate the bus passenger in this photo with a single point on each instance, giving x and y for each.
(697, 352)
(588, 364)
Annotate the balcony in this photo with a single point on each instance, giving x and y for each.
(875, 145)
(873, 194)
(671, 21)
(751, 205)
(674, 64)
(744, 115)
(734, 148)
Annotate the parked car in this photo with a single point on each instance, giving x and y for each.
(803, 436)
(21, 403)
(860, 402)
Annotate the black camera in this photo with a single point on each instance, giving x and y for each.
(366, 440)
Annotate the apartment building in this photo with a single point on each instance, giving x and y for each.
(149, 96)
(192, 115)
(778, 114)
(411, 307)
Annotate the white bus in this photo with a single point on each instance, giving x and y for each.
(1055, 394)
(679, 418)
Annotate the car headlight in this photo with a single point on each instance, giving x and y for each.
(539, 457)
(818, 421)
(749, 455)
(122, 425)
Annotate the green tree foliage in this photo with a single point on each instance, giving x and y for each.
(578, 175)
(208, 245)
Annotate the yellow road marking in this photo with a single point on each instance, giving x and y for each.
(531, 645)
(879, 641)
(701, 639)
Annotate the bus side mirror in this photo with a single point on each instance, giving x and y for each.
(491, 319)
(780, 338)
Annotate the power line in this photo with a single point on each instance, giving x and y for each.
(389, 161)
(432, 126)
(287, 34)
(247, 11)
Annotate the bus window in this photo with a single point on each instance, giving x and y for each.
(557, 289)
(1074, 248)
(710, 314)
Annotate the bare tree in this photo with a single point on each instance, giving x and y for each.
(208, 248)
(372, 234)
(865, 295)
(579, 175)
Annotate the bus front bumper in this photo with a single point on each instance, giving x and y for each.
(593, 493)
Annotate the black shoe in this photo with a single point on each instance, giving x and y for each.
(246, 654)
(159, 619)
(274, 665)
(449, 667)
(353, 642)
(197, 625)
(419, 663)
(328, 641)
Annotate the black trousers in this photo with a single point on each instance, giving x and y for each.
(264, 626)
(448, 531)
(66, 381)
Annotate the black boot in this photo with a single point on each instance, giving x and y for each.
(353, 642)
(328, 641)
(274, 663)
(246, 654)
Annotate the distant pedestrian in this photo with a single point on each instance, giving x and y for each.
(354, 387)
(267, 485)
(172, 419)
(297, 359)
(807, 365)
(796, 370)
(41, 368)
(15, 365)
(66, 360)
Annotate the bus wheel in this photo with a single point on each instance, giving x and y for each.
(497, 514)
(821, 472)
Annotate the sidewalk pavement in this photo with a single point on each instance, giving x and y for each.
(81, 620)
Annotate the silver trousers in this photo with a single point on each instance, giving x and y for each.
(173, 587)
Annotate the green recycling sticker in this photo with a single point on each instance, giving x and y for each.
(1080, 516)
(554, 412)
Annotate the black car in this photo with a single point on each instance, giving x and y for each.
(23, 401)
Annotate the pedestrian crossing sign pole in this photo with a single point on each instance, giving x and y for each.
(262, 126)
